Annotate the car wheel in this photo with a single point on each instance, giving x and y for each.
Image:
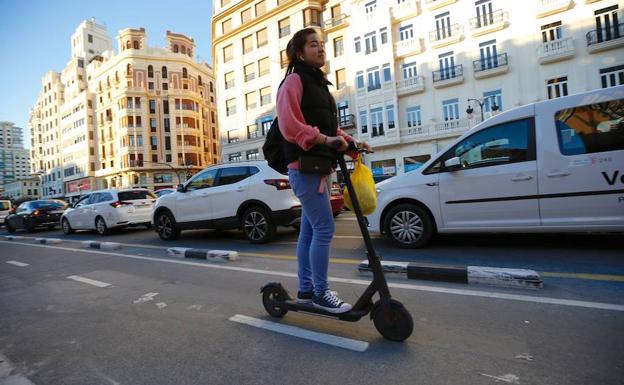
(409, 226)
(29, 227)
(166, 226)
(258, 225)
(100, 226)
(8, 226)
(66, 227)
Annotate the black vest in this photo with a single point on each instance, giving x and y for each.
(319, 110)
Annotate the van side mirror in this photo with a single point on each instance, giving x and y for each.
(180, 188)
(452, 164)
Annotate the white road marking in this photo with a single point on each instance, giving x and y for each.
(341, 342)
(525, 356)
(89, 281)
(161, 305)
(508, 378)
(194, 307)
(424, 288)
(20, 264)
(145, 298)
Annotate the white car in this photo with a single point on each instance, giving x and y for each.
(247, 195)
(5, 207)
(106, 209)
(552, 166)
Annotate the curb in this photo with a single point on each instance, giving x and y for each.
(494, 276)
(101, 245)
(14, 237)
(209, 255)
(48, 241)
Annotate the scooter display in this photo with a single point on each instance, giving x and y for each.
(390, 317)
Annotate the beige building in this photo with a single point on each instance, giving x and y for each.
(14, 159)
(27, 187)
(403, 70)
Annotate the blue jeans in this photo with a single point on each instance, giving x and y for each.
(317, 230)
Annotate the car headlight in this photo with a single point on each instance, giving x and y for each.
(378, 190)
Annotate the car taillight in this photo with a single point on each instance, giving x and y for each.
(280, 184)
(36, 213)
(116, 204)
(12, 210)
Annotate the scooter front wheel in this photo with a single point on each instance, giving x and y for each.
(273, 301)
(394, 323)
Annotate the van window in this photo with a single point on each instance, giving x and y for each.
(132, 195)
(231, 175)
(5, 205)
(592, 128)
(509, 142)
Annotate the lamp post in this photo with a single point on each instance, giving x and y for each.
(481, 103)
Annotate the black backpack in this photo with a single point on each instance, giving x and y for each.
(273, 149)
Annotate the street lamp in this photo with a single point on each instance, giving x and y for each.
(481, 103)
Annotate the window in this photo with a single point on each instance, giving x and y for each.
(612, 76)
(376, 117)
(226, 26)
(228, 53)
(390, 115)
(152, 106)
(591, 128)
(551, 32)
(265, 96)
(448, 70)
(260, 8)
(363, 122)
(232, 136)
(266, 124)
(246, 15)
(165, 87)
(607, 25)
(184, 73)
(359, 80)
(167, 143)
(252, 131)
(253, 155)
(205, 179)
(450, 109)
(247, 44)
(135, 44)
(262, 37)
(229, 80)
(371, 42)
(165, 106)
(283, 59)
(230, 107)
(374, 81)
(153, 124)
(443, 26)
(387, 73)
(489, 98)
(406, 32)
(164, 72)
(154, 142)
(341, 78)
(236, 157)
(231, 175)
(311, 18)
(485, 15)
(338, 46)
(413, 116)
(557, 87)
(383, 169)
(411, 163)
(370, 7)
(358, 45)
(409, 70)
(250, 100)
(263, 66)
(250, 72)
(90, 38)
(284, 27)
(150, 71)
(384, 35)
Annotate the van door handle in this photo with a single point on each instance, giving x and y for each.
(558, 174)
(521, 178)
(432, 184)
(240, 189)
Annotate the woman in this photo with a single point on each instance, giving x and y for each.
(308, 121)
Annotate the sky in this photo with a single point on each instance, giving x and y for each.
(35, 38)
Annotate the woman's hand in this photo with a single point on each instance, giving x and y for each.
(364, 146)
(332, 140)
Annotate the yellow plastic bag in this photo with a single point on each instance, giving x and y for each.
(364, 185)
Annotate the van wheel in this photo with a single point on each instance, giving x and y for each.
(166, 226)
(409, 226)
(100, 226)
(258, 225)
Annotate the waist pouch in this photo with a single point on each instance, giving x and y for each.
(315, 164)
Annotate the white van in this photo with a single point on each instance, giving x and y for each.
(552, 166)
(5, 206)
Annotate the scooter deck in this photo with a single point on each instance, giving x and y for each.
(352, 315)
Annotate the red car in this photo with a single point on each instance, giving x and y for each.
(337, 200)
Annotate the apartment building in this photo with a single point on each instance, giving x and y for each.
(14, 159)
(404, 70)
(22, 188)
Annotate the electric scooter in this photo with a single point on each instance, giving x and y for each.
(391, 318)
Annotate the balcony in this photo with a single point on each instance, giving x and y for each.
(435, 4)
(550, 7)
(411, 86)
(336, 23)
(445, 36)
(449, 128)
(404, 10)
(492, 22)
(346, 121)
(408, 47)
(556, 50)
(490, 66)
(605, 38)
(448, 76)
(453, 125)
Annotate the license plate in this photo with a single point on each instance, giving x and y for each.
(56, 212)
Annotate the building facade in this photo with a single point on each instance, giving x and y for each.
(144, 116)
(404, 70)
(14, 159)
(22, 188)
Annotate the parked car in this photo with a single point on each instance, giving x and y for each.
(249, 196)
(107, 209)
(33, 214)
(336, 199)
(164, 191)
(5, 207)
(551, 166)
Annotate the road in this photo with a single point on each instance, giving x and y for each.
(138, 316)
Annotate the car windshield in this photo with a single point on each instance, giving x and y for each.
(135, 194)
(5, 205)
(48, 205)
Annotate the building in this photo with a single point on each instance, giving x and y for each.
(27, 187)
(154, 112)
(14, 159)
(403, 70)
(105, 120)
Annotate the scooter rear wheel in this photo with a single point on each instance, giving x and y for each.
(394, 323)
(272, 299)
